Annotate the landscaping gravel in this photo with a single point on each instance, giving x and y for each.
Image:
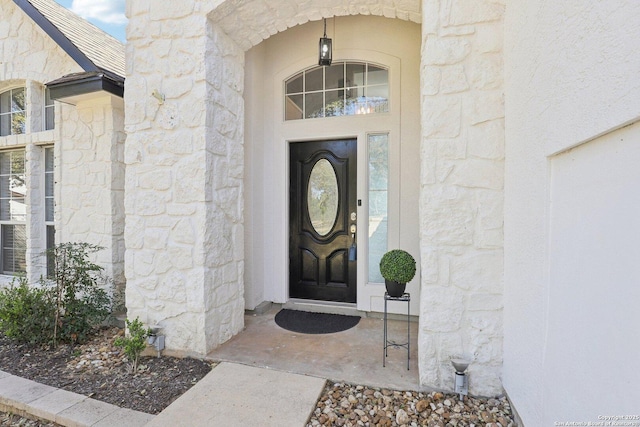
(11, 420)
(99, 370)
(350, 405)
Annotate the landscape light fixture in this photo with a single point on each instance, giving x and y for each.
(461, 385)
(324, 56)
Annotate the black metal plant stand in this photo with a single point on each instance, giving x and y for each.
(406, 297)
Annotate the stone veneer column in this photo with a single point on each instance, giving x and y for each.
(461, 205)
(184, 166)
(35, 226)
(224, 248)
(34, 97)
(89, 164)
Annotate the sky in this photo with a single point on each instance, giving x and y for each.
(107, 15)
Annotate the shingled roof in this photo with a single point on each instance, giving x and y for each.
(93, 49)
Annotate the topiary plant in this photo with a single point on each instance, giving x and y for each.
(398, 266)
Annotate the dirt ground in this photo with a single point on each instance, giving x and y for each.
(100, 370)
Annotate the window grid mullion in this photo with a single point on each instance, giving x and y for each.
(13, 252)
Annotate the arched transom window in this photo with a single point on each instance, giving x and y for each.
(341, 89)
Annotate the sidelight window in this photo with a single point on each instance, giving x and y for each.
(49, 111)
(50, 231)
(378, 160)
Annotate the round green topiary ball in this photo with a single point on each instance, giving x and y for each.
(398, 266)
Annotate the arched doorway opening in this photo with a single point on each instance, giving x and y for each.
(384, 63)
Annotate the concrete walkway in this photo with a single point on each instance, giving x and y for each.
(267, 377)
(230, 395)
(238, 395)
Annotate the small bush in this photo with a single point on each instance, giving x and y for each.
(27, 313)
(64, 307)
(135, 343)
(80, 303)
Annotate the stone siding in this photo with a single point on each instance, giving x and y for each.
(184, 261)
(184, 156)
(26, 52)
(28, 58)
(89, 161)
(88, 145)
(461, 206)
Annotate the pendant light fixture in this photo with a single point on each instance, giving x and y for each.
(324, 55)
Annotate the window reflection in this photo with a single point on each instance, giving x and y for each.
(378, 159)
(322, 197)
(13, 211)
(12, 112)
(342, 89)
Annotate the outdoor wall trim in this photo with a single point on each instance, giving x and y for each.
(84, 83)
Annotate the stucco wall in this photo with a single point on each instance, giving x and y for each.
(593, 272)
(575, 80)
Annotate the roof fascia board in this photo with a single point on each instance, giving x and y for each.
(84, 86)
(57, 35)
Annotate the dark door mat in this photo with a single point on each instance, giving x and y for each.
(314, 323)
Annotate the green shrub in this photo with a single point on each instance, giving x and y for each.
(398, 266)
(135, 343)
(67, 306)
(80, 303)
(27, 313)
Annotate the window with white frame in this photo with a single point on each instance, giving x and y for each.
(49, 111)
(49, 206)
(378, 162)
(341, 89)
(13, 112)
(13, 232)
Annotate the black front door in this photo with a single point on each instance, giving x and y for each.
(322, 214)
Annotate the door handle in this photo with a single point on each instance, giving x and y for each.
(353, 252)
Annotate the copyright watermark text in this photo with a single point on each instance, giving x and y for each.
(604, 421)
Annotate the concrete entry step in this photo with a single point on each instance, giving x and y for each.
(324, 307)
(238, 395)
(353, 356)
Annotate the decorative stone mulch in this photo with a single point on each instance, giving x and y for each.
(100, 370)
(12, 420)
(350, 405)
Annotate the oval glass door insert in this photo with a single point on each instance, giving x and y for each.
(322, 197)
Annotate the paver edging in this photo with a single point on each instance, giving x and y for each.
(60, 408)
